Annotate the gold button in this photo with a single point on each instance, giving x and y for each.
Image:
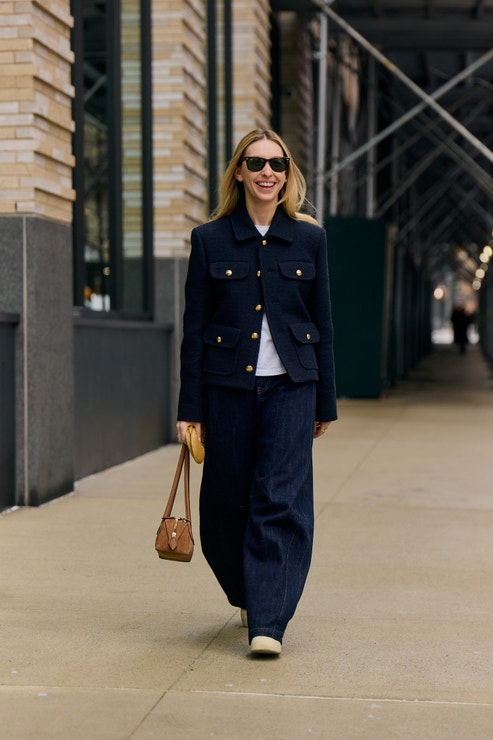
(258, 307)
(264, 242)
(229, 273)
(308, 336)
(219, 340)
(249, 369)
(254, 335)
(299, 273)
(258, 273)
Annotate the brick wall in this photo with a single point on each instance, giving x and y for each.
(179, 107)
(179, 119)
(35, 109)
(131, 92)
(297, 92)
(251, 70)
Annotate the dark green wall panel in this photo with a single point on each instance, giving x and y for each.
(358, 271)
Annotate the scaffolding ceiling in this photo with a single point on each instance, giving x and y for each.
(434, 117)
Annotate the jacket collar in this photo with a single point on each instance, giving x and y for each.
(244, 228)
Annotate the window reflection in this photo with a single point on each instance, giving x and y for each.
(96, 178)
(112, 214)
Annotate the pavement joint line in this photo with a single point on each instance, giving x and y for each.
(387, 700)
(45, 688)
(162, 693)
(148, 714)
(193, 661)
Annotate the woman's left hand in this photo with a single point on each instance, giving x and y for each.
(320, 428)
(181, 430)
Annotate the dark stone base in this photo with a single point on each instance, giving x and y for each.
(122, 381)
(36, 284)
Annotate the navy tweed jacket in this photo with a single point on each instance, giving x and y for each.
(234, 275)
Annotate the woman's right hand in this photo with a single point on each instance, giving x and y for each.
(182, 426)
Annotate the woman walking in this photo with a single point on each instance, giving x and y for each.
(257, 374)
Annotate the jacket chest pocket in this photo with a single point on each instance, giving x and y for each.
(221, 348)
(229, 270)
(297, 270)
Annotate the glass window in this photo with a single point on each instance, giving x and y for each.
(113, 210)
(95, 161)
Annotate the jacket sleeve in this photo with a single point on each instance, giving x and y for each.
(198, 303)
(320, 309)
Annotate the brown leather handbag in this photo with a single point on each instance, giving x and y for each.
(174, 538)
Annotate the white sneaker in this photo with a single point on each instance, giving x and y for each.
(244, 618)
(265, 645)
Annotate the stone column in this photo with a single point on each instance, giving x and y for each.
(36, 240)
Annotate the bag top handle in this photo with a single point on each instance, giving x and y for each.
(183, 463)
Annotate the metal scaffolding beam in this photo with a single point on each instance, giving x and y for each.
(322, 117)
(428, 100)
(481, 178)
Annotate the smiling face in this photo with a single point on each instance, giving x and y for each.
(261, 188)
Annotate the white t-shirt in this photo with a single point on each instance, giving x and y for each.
(269, 362)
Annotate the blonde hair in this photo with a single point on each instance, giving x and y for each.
(232, 192)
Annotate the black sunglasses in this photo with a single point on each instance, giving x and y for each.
(255, 164)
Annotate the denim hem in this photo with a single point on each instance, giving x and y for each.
(266, 632)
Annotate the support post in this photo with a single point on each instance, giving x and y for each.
(322, 119)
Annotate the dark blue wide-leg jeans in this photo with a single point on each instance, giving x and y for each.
(256, 500)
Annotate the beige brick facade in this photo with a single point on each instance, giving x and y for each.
(35, 109)
(179, 107)
(179, 123)
(251, 67)
(297, 91)
(131, 96)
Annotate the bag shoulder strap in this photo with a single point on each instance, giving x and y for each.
(183, 464)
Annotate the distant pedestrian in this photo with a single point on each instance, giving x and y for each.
(257, 372)
(460, 322)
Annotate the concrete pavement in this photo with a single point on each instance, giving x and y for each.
(100, 640)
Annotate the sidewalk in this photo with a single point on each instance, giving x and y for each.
(100, 640)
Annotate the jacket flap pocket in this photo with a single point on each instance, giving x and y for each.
(229, 270)
(305, 333)
(218, 335)
(297, 270)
